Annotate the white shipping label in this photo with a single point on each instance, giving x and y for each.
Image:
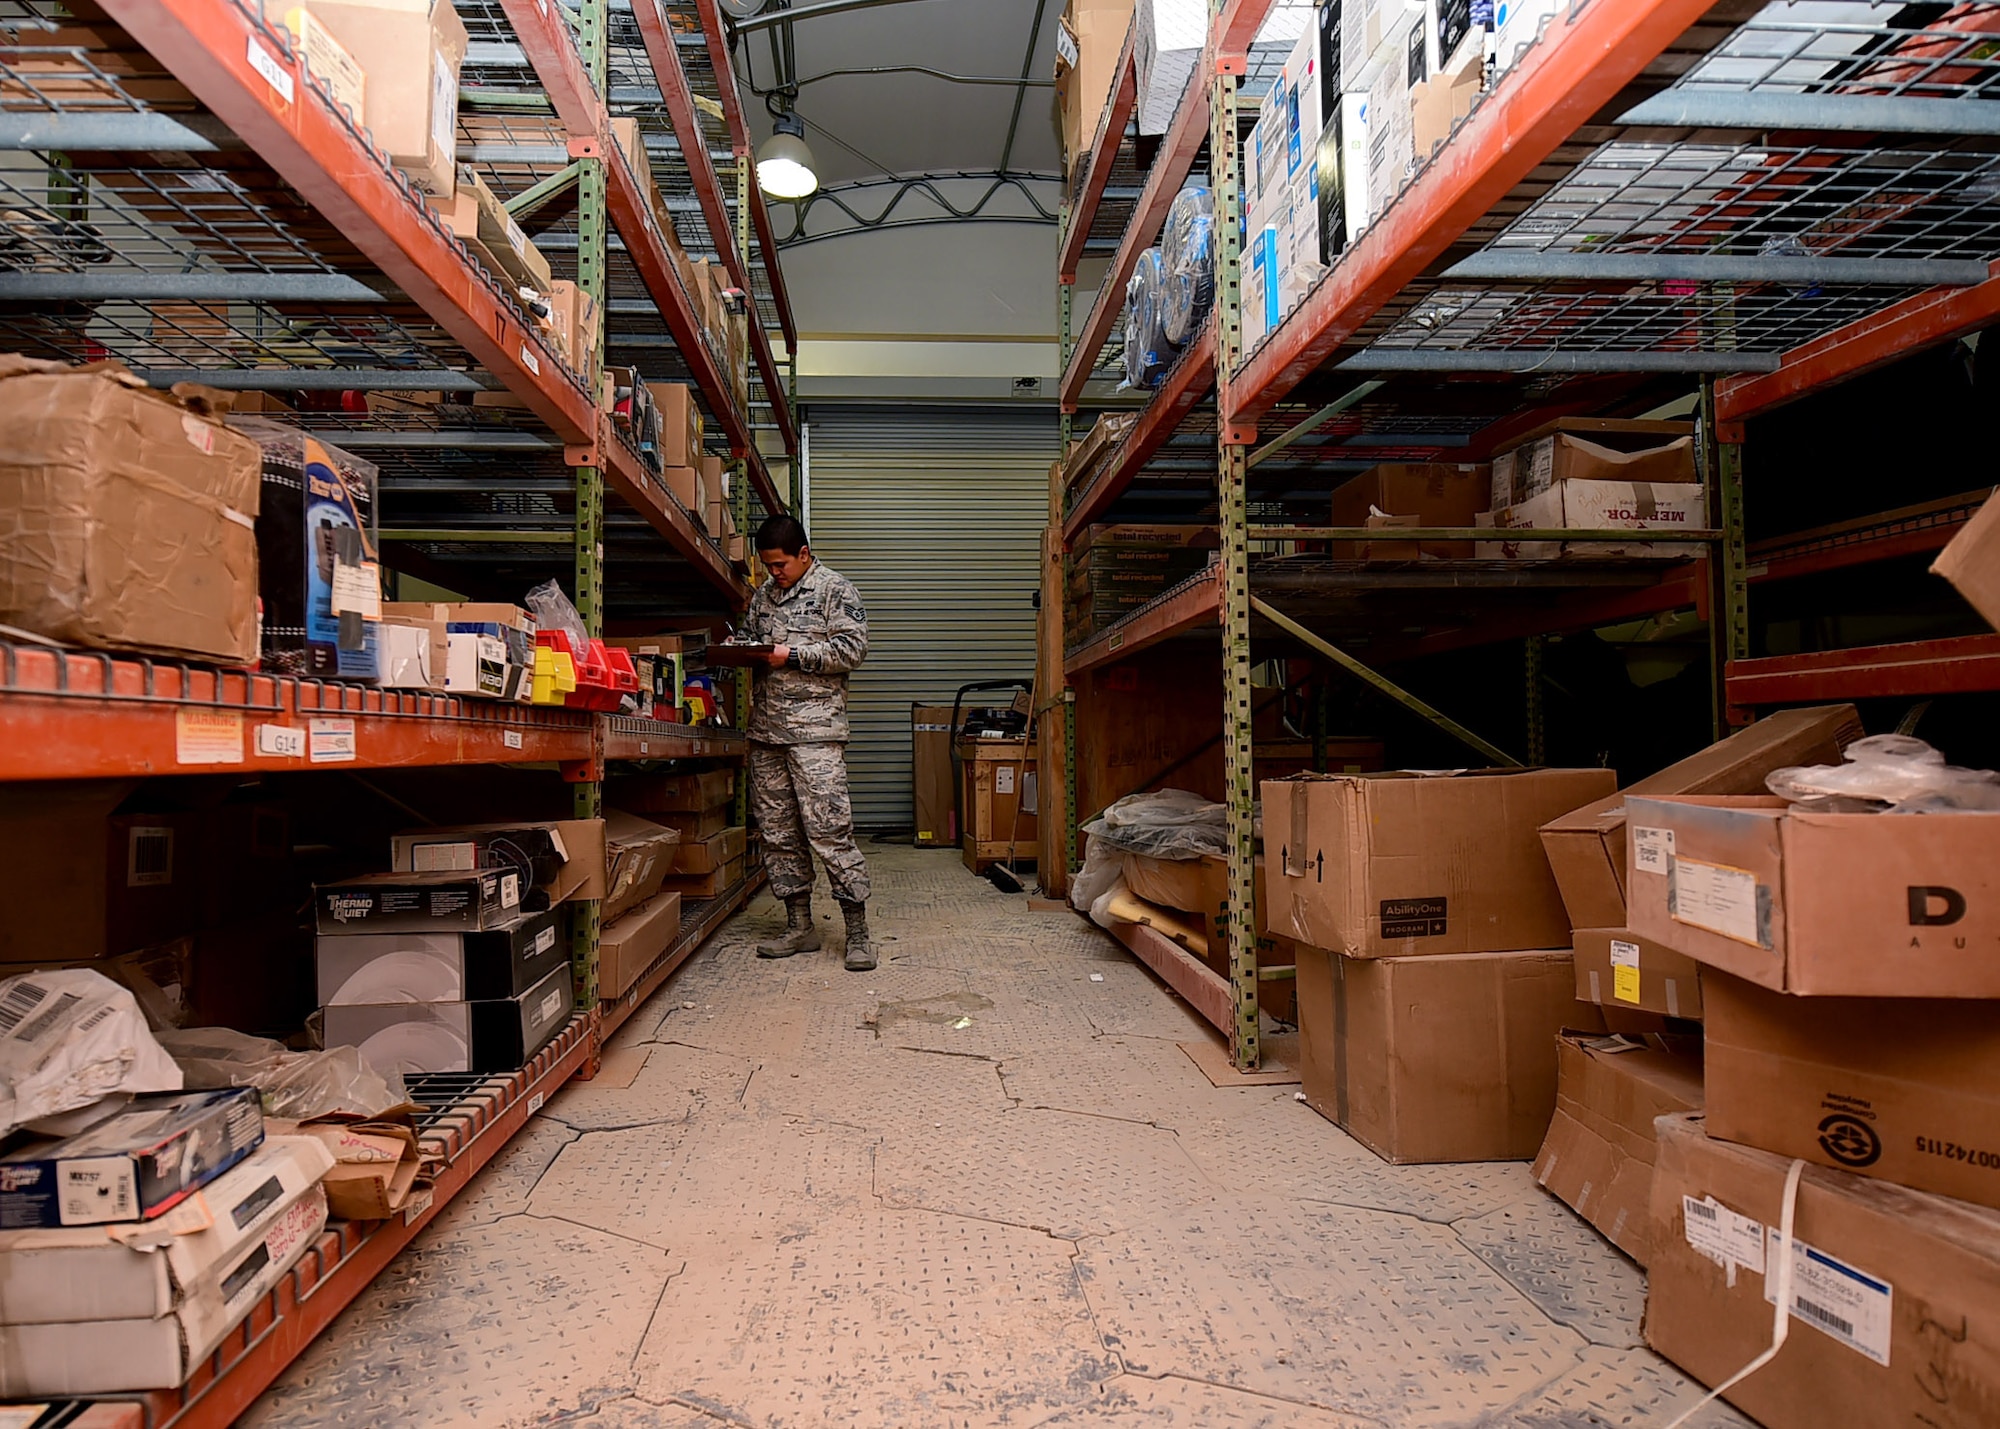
(1835, 1298)
(551, 1005)
(444, 106)
(1716, 897)
(330, 741)
(510, 890)
(1653, 850)
(281, 741)
(1722, 1235)
(544, 940)
(208, 736)
(1003, 779)
(94, 1190)
(358, 589)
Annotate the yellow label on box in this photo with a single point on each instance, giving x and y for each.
(1625, 984)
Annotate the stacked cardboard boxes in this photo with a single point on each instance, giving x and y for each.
(1097, 28)
(1597, 474)
(1116, 569)
(1411, 494)
(410, 52)
(701, 808)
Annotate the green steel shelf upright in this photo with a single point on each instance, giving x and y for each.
(739, 478)
(1065, 345)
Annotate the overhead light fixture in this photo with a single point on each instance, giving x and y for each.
(784, 163)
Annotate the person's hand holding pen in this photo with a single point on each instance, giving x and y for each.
(778, 658)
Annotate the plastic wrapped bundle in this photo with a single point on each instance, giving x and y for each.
(1147, 351)
(1187, 253)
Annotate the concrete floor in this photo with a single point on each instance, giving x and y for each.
(980, 1186)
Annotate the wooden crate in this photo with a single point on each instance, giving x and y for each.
(993, 775)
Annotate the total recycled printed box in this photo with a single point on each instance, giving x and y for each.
(1891, 1291)
(1402, 864)
(1822, 905)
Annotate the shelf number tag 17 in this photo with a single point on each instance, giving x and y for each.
(271, 68)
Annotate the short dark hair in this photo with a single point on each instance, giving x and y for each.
(781, 533)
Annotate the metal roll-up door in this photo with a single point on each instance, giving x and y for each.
(936, 515)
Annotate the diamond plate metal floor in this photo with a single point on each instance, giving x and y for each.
(978, 1186)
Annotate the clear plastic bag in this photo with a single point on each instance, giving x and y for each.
(553, 611)
(294, 1085)
(1187, 256)
(1888, 773)
(1171, 823)
(1147, 351)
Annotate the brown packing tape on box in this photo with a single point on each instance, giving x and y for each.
(1896, 1293)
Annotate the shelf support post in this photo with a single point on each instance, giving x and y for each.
(1728, 574)
(1233, 491)
(593, 230)
(1055, 581)
(739, 481)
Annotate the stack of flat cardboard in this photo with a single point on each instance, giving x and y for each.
(1116, 569)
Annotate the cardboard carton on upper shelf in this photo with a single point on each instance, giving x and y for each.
(1087, 457)
(1587, 846)
(1430, 1059)
(124, 1356)
(1394, 865)
(1903, 1089)
(412, 655)
(1083, 89)
(493, 1035)
(1583, 505)
(328, 62)
(1444, 98)
(481, 222)
(136, 1165)
(1593, 449)
(1615, 967)
(680, 423)
(411, 51)
(638, 854)
(439, 967)
(1827, 905)
(635, 942)
(1891, 1290)
(1598, 1155)
(631, 142)
(103, 1272)
(1972, 562)
(126, 518)
(565, 857)
(320, 575)
(1435, 493)
(575, 323)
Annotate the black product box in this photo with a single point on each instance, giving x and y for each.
(499, 1035)
(447, 902)
(440, 967)
(318, 567)
(133, 1166)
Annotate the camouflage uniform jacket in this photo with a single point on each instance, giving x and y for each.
(824, 622)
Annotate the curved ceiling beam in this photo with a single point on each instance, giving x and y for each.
(927, 187)
(771, 18)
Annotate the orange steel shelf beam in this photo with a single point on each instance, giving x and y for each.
(1237, 26)
(87, 715)
(1192, 605)
(658, 36)
(1101, 159)
(739, 135)
(630, 738)
(1186, 385)
(1679, 587)
(1862, 346)
(546, 41)
(241, 73)
(641, 491)
(1171, 166)
(1576, 70)
(1969, 664)
(1206, 990)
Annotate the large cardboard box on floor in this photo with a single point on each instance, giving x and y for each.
(1395, 865)
(411, 51)
(1904, 1089)
(1598, 1155)
(1972, 562)
(125, 518)
(1825, 905)
(930, 776)
(1587, 847)
(1615, 967)
(627, 947)
(1435, 1058)
(1895, 1315)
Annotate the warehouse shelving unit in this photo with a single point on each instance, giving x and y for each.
(185, 198)
(1656, 192)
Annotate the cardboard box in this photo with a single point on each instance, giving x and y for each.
(699, 856)
(1436, 493)
(656, 794)
(1905, 1089)
(1395, 865)
(441, 902)
(498, 1035)
(133, 1166)
(1593, 449)
(439, 967)
(478, 219)
(1587, 847)
(328, 61)
(930, 776)
(575, 323)
(1615, 967)
(123, 1272)
(1972, 562)
(708, 885)
(638, 853)
(567, 855)
(123, 1356)
(411, 51)
(375, 1166)
(693, 828)
(1579, 505)
(412, 657)
(1099, 27)
(1598, 1155)
(1435, 1058)
(1891, 1290)
(1826, 905)
(627, 947)
(320, 575)
(680, 423)
(1443, 99)
(99, 475)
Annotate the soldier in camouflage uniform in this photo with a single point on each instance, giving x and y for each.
(798, 737)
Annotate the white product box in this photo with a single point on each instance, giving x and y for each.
(1392, 139)
(1516, 23)
(1166, 45)
(1260, 285)
(1585, 505)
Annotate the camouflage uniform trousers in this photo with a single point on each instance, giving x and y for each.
(798, 793)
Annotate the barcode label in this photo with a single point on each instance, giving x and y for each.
(149, 858)
(38, 1026)
(1722, 1235)
(1835, 1298)
(21, 999)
